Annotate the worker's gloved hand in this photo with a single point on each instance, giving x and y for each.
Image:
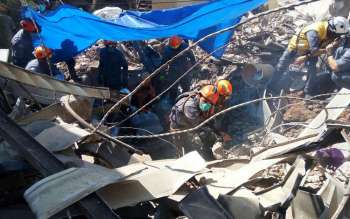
(330, 49)
(331, 158)
(197, 140)
(218, 150)
(300, 60)
(225, 137)
(124, 91)
(59, 77)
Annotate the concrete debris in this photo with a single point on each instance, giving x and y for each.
(276, 157)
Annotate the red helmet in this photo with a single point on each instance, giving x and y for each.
(42, 52)
(28, 25)
(175, 42)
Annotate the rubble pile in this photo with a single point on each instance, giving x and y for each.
(286, 159)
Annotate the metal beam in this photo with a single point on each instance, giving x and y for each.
(46, 163)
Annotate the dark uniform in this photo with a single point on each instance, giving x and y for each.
(22, 48)
(41, 66)
(113, 68)
(187, 114)
(176, 69)
(342, 57)
(7, 28)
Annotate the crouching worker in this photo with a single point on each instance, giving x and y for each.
(306, 46)
(339, 63)
(42, 65)
(21, 44)
(189, 111)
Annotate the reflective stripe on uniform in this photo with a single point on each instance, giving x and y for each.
(299, 42)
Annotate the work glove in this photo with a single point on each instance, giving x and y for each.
(225, 137)
(331, 158)
(59, 77)
(124, 91)
(300, 60)
(330, 48)
(218, 150)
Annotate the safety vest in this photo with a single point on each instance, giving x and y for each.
(299, 42)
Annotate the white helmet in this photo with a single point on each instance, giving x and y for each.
(339, 25)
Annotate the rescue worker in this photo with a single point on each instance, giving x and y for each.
(224, 88)
(308, 44)
(176, 68)
(7, 27)
(149, 57)
(42, 65)
(21, 44)
(190, 110)
(145, 94)
(339, 62)
(113, 67)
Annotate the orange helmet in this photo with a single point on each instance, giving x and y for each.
(224, 87)
(175, 42)
(209, 93)
(42, 52)
(28, 25)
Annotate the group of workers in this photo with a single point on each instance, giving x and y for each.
(191, 107)
(325, 38)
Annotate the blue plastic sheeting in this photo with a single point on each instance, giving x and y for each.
(68, 30)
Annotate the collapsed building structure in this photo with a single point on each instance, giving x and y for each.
(63, 167)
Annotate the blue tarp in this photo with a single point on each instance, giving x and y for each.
(68, 30)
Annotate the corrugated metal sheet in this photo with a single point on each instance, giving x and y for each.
(43, 88)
